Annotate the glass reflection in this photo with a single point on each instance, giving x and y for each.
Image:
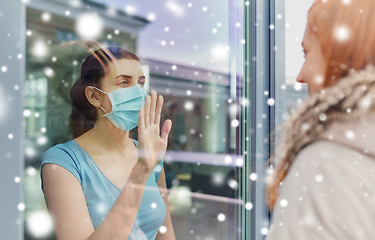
(189, 54)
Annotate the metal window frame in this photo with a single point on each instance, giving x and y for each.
(12, 39)
(264, 58)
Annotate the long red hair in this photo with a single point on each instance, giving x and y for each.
(345, 30)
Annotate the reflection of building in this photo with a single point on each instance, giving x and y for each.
(52, 68)
(195, 99)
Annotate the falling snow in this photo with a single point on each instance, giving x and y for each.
(271, 101)
(297, 86)
(221, 217)
(89, 26)
(21, 206)
(322, 117)
(283, 203)
(253, 176)
(163, 229)
(319, 178)
(17, 179)
(249, 206)
(349, 134)
(228, 159)
(264, 231)
(342, 33)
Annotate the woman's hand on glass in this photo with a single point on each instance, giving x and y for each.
(152, 142)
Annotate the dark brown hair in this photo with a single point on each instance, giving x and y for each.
(94, 68)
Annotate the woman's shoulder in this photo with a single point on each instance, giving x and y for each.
(64, 155)
(60, 147)
(329, 152)
(321, 176)
(327, 164)
(61, 151)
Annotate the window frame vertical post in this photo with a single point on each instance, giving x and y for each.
(264, 74)
(12, 62)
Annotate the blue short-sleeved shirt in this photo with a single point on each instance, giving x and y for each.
(101, 194)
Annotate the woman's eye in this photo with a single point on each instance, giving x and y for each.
(123, 82)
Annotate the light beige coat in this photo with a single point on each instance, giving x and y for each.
(329, 191)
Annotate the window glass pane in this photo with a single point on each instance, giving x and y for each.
(295, 23)
(191, 53)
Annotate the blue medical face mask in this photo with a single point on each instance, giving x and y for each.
(126, 103)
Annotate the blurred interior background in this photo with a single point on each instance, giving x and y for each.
(185, 51)
(192, 54)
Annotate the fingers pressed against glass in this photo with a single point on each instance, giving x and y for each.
(153, 106)
(147, 110)
(158, 109)
(141, 121)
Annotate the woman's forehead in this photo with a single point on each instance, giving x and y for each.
(125, 66)
(309, 37)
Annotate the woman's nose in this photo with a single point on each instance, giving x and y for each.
(300, 81)
(299, 78)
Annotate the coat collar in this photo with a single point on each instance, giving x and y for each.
(358, 135)
(343, 113)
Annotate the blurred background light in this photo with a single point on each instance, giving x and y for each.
(40, 49)
(220, 53)
(218, 179)
(189, 105)
(89, 26)
(46, 17)
(49, 72)
(131, 9)
(42, 140)
(39, 224)
(176, 8)
(151, 16)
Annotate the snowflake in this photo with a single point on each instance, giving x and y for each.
(264, 231)
(271, 101)
(163, 229)
(21, 206)
(221, 217)
(349, 134)
(283, 203)
(342, 33)
(318, 178)
(253, 176)
(228, 159)
(249, 206)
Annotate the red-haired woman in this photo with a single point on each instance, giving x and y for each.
(324, 185)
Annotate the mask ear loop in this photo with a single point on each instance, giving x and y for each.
(102, 92)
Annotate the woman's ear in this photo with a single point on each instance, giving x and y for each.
(92, 96)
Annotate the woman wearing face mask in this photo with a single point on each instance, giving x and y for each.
(324, 185)
(103, 184)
